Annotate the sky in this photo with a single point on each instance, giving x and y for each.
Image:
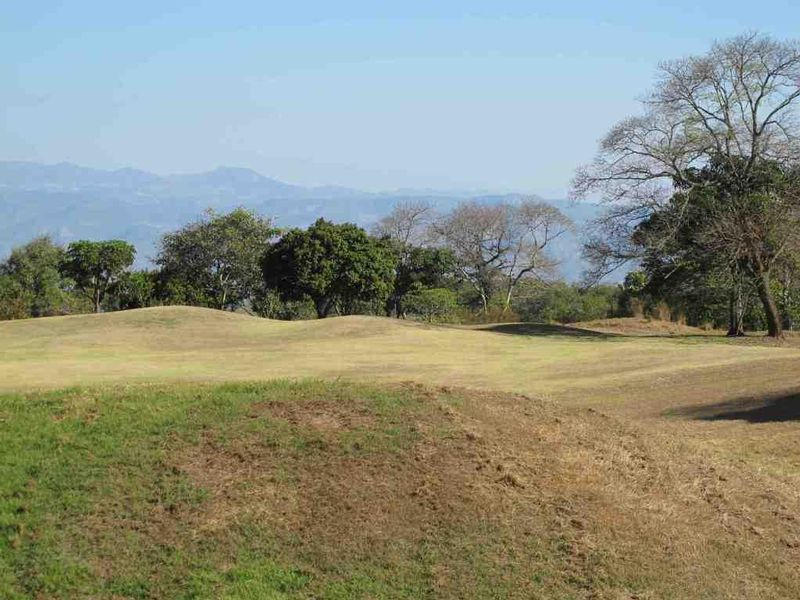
(493, 95)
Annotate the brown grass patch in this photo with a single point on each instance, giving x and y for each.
(591, 502)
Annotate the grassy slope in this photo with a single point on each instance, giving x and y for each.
(178, 343)
(658, 467)
(315, 490)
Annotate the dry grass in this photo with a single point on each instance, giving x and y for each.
(172, 344)
(612, 465)
(644, 326)
(342, 491)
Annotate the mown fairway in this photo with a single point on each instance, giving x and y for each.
(195, 344)
(525, 461)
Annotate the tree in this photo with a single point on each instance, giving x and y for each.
(215, 261)
(568, 303)
(532, 226)
(432, 304)
(476, 234)
(754, 226)
(497, 245)
(135, 289)
(418, 268)
(34, 283)
(96, 266)
(407, 224)
(406, 229)
(736, 106)
(14, 304)
(337, 266)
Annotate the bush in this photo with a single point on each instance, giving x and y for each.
(569, 303)
(435, 305)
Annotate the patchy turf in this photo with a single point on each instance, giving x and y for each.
(615, 464)
(338, 490)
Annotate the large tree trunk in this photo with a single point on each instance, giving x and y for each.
(774, 323)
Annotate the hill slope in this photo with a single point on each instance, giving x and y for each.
(604, 466)
(183, 343)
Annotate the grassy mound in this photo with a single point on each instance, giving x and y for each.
(338, 490)
(194, 344)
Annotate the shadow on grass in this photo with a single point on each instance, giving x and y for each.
(546, 329)
(770, 409)
(569, 331)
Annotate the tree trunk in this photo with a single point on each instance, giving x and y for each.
(736, 314)
(507, 303)
(97, 300)
(323, 307)
(774, 323)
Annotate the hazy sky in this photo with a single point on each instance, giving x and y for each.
(497, 95)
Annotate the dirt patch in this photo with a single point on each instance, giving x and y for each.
(319, 414)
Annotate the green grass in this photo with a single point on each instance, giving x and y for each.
(94, 501)
(344, 490)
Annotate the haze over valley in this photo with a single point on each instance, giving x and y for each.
(72, 202)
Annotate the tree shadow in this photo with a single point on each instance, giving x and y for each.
(547, 329)
(778, 408)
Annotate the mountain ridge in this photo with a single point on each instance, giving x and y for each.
(69, 201)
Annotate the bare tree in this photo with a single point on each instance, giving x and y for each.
(407, 223)
(532, 226)
(478, 237)
(737, 104)
(497, 245)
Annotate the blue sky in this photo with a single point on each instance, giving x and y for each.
(495, 95)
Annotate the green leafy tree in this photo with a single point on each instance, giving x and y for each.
(34, 285)
(135, 289)
(270, 305)
(419, 268)
(336, 266)
(96, 266)
(565, 303)
(723, 235)
(433, 304)
(214, 262)
(14, 303)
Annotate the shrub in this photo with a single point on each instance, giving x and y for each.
(433, 304)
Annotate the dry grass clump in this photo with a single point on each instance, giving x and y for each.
(644, 326)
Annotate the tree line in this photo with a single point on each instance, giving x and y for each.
(476, 262)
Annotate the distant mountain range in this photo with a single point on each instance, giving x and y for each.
(72, 202)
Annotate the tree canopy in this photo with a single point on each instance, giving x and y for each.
(215, 261)
(95, 266)
(718, 139)
(34, 285)
(497, 245)
(336, 266)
